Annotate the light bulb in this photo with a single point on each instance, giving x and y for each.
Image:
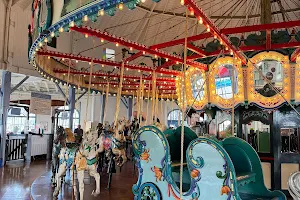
(72, 24)
(101, 12)
(208, 29)
(121, 6)
(200, 20)
(85, 18)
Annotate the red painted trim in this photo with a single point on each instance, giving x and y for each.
(140, 47)
(266, 158)
(99, 74)
(133, 84)
(227, 31)
(295, 54)
(104, 62)
(165, 65)
(135, 56)
(196, 50)
(213, 29)
(253, 48)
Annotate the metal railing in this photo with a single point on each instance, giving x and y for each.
(16, 147)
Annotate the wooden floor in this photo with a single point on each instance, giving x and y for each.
(122, 183)
(17, 177)
(19, 181)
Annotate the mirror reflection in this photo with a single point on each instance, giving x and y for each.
(224, 81)
(289, 140)
(273, 71)
(197, 81)
(257, 134)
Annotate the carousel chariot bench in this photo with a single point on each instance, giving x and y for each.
(212, 169)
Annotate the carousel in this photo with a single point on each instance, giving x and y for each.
(241, 82)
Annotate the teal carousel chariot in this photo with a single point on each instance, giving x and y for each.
(228, 169)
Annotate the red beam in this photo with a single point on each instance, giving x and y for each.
(196, 50)
(295, 54)
(268, 39)
(213, 29)
(254, 48)
(165, 65)
(103, 62)
(133, 56)
(133, 84)
(227, 31)
(140, 47)
(100, 74)
(181, 41)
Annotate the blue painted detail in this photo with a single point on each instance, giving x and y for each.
(111, 12)
(90, 10)
(149, 191)
(219, 170)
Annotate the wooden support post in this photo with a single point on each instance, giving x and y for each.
(71, 106)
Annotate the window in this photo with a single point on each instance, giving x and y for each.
(109, 54)
(173, 117)
(17, 120)
(224, 81)
(224, 125)
(63, 117)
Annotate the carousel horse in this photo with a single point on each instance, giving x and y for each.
(86, 159)
(118, 142)
(113, 139)
(66, 158)
(58, 143)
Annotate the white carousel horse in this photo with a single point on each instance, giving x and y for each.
(86, 159)
(119, 140)
(66, 159)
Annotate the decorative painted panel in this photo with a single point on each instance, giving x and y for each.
(223, 85)
(273, 69)
(196, 90)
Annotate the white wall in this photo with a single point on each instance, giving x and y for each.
(41, 120)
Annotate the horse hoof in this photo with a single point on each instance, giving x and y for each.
(95, 193)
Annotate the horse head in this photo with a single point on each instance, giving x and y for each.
(70, 135)
(60, 135)
(90, 136)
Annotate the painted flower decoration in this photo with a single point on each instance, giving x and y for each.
(225, 190)
(194, 173)
(157, 172)
(145, 155)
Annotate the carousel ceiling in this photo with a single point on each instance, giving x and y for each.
(151, 38)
